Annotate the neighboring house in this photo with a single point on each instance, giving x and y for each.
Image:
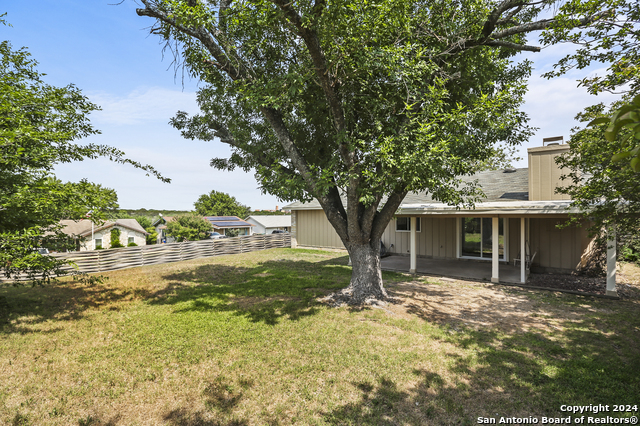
(268, 224)
(160, 226)
(90, 236)
(518, 215)
(224, 224)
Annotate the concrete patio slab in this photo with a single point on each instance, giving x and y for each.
(455, 268)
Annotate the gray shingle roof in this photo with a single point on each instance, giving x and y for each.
(498, 185)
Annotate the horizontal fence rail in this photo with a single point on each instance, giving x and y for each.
(131, 257)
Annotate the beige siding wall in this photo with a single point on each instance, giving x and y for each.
(557, 249)
(437, 238)
(312, 229)
(544, 173)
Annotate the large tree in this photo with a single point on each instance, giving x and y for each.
(357, 103)
(189, 227)
(39, 124)
(603, 163)
(220, 204)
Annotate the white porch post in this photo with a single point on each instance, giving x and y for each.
(611, 263)
(523, 272)
(495, 266)
(412, 245)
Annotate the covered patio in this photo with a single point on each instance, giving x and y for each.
(454, 268)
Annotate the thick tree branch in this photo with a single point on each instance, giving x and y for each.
(382, 219)
(545, 23)
(494, 16)
(370, 213)
(515, 46)
(491, 38)
(222, 60)
(329, 86)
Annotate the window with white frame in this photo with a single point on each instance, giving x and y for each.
(98, 243)
(131, 240)
(403, 224)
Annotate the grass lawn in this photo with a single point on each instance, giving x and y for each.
(242, 340)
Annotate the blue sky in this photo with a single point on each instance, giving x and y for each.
(106, 51)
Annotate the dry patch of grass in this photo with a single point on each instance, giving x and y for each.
(629, 281)
(241, 340)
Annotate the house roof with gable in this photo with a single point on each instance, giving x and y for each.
(82, 228)
(272, 221)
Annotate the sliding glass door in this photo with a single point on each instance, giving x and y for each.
(477, 237)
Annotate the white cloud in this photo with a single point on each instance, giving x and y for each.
(552, 106)
(142, 105)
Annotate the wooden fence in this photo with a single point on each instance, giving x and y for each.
(131, 257)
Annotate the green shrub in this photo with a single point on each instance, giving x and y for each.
(152, 237)
(631, 251)
(132, 244)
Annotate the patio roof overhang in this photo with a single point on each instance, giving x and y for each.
(557, 208)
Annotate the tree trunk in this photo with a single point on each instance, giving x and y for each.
(366, 276)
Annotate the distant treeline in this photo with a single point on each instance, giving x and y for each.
(151, 213)
(121, 213)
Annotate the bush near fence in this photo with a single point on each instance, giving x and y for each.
(131, 257)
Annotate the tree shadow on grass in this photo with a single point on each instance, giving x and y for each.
(221, 396)
(23, 307)
(182, 417)
(264, 293)
(493, 370)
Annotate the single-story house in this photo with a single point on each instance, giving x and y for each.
(267, 224)
(223, 224)
(92, 235)
(519, 215)
(160, 226)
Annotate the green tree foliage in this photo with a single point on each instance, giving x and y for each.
(147, 223)
(606, 190)
(189, 227)
(220, 204)
(604, 160)
(150, 213)
(614, 40)
(357, 103)
(625, 117)
(38, 126)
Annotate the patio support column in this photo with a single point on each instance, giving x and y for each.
(611, 263)
(495, 266)
(523, 272)
(412, 245)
